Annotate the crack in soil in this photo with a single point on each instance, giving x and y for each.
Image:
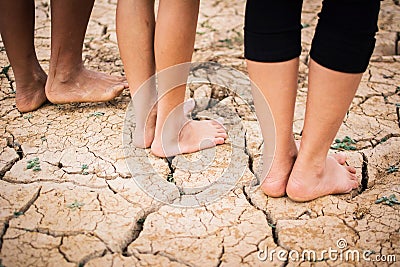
(6, 225)
(170, 175)
(4, 71)
(22, 210)
(267, 216)
(364, 173)
(61, 252)
(41, 180)
(11, 143)
(92, 256)
(250, 157)
(136, 232)
(221, 255)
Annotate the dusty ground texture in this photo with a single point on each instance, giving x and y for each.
(83, 207)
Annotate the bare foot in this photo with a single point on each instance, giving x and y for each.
(275, 182)
(144, 132)
(193, 136)
(309, 181)
(82, 85)
(30, 94)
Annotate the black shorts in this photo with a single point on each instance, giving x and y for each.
(344, 38)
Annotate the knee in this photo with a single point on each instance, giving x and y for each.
(345, 36)
(272, 47)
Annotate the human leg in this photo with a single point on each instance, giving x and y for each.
(17, 31)
(278, 84)
(340, 55)
(272, 47)
(135, 32)
(68, 80)
(174, 42)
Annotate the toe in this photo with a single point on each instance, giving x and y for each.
(355, 184)
(340, 158)
(121, 80)
(206, 143)
(218, 123)
(353, 177)
(219, 141)
(221, 135)
(350, 186)
(351, 169)
(117, 89)
(215, 123)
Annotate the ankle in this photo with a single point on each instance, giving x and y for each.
(171, 121)
(286, 149)
(31, 80)
(32, 72)
(65, 73)
(168, 134)
(306, 163)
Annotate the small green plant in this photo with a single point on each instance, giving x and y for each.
(392, 169)
(84, 168)
(390, 201)
(5, 69)
(236, 39)
(272, 225)
(75, 205)
(141, 220)
(170, 178)
(384, 139)
(43, 138)
(33, 164)
(227, 41)
(369, 252)
(305, 25)
(96, 114)
(29, 116)
(18, 213)
(206, 24)
(345, 144)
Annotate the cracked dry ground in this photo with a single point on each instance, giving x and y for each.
(83, 206)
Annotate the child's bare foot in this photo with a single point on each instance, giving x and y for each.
(30, 94)
(310, 180)
(275, 182)
(82, 85)
(144, 132)
(193, 136)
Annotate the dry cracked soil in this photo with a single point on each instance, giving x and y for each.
(80, 204)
